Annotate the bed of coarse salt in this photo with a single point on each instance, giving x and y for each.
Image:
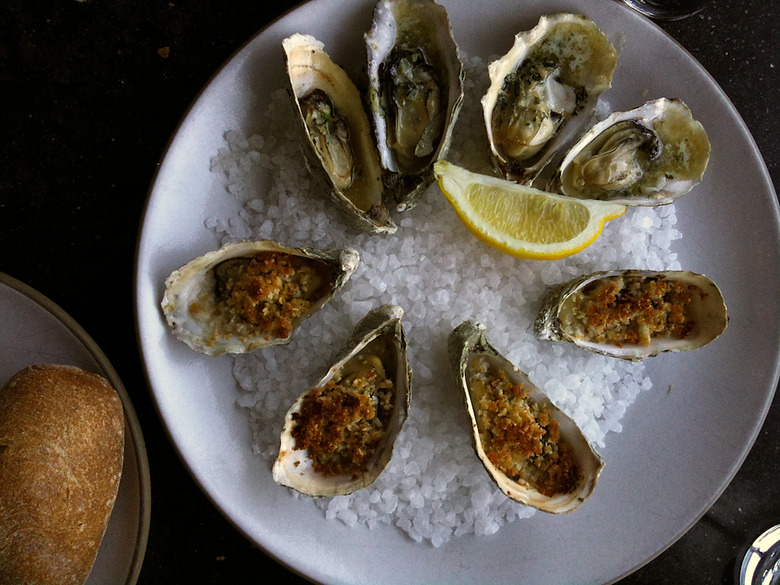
(434, 488)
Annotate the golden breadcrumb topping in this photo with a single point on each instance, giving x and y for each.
(344, 422)
(268, 292)
(518, 434)
(630, 310)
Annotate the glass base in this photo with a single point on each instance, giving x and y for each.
(666, 9)
(761, 564)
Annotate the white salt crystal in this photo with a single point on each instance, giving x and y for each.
(412, 468)
(256, 141)
(272, 401)
(409, 481)
(348, 517)
(551, 273)
(419, 311)
(338, 503)
(416, 500)
(246, 400)
(362, 506)
(390, 502)
(439, 537)
(480, 498)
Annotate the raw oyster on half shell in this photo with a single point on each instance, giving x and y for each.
(248, 295)
(534, 452)
(415, 91)
(650, 155)
(554, 72)
(338, 436)
(338, 142)
(634, 314)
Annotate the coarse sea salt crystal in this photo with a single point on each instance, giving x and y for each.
(434, 488)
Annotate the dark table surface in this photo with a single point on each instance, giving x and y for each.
(88, 105)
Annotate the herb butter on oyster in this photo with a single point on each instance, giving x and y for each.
(415, 91)
(534, 452)
(553, 72)
(337, 143)
(338, 436)
(248, 295)
(650, 155)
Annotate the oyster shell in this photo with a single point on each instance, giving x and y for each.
(634, 314)
(650, 155)
(415, 91)
(248, 295)
(338, 142)
(365, 399)
(553, 72)
(534, 452)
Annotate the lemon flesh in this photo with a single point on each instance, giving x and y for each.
(523, 221)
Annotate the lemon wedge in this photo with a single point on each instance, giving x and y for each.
(523, 221)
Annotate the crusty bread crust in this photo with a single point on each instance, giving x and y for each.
(61, 451)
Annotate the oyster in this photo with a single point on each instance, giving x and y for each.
(251, 294)
(338, 436)
(553, 72)
(634, 314)
(415, 91)
(534, 452)
(338, 142)
(650, 155)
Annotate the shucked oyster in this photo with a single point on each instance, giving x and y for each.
(553, 72)
(248, 295)
(534, 452)
(650, 155)
(338, 142)
(415, 91)
(633, 314)
(338, 436)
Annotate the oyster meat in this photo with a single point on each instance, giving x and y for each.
(338, 436)
(415, 91)
(338, 143)
(634, 314)
(552, 73)
(248, 295)
(533, 451)
(650, 155)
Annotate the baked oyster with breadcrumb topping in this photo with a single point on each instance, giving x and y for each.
(248, 295)
(339, 435)
(534, 452)
(634, 314)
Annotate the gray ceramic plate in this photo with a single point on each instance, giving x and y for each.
(677, 451)
(34, 330)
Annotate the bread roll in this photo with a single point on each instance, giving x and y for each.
(61, 450)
